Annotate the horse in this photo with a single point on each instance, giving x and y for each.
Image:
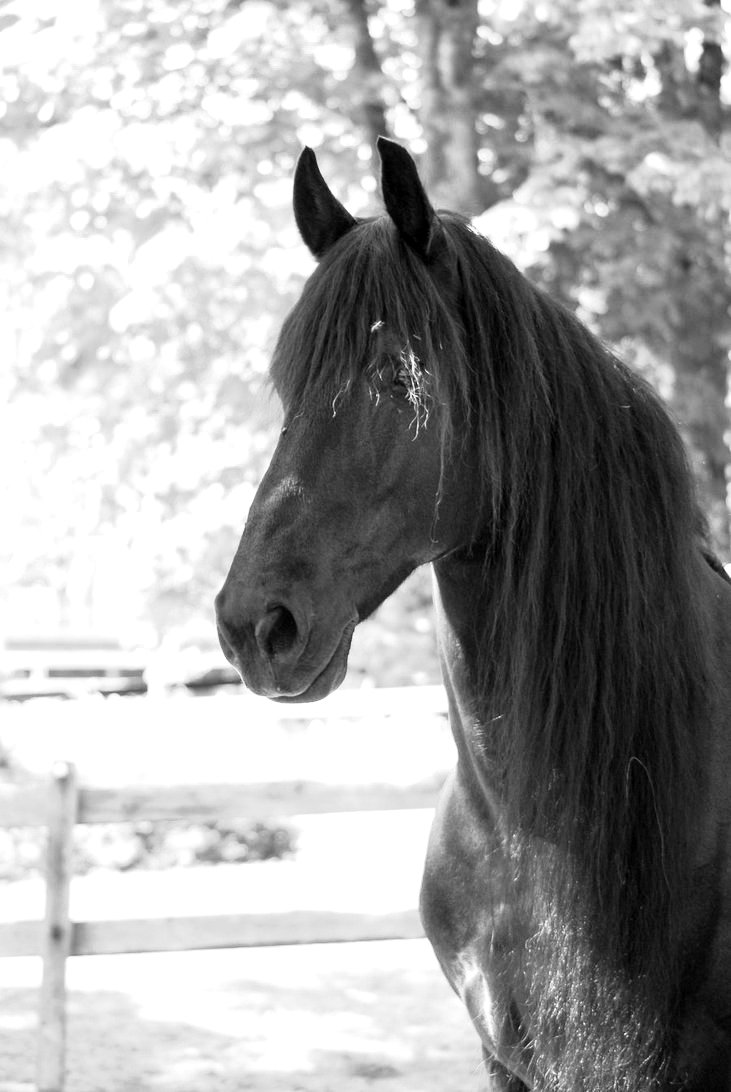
(441, 409)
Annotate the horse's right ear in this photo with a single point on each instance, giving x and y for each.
(405, 198)
(320, 217)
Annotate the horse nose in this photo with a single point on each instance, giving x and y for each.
(273, 634)
(231, 632)
(277, 633)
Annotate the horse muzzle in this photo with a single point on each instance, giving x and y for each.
(281, 647)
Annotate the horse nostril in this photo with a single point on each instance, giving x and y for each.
(276, 633)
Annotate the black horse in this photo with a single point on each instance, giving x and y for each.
(439, 408)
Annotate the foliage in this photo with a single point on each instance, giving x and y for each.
(150, 252)
(625, 211)
(147, 845)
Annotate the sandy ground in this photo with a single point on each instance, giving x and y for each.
(321, 1018)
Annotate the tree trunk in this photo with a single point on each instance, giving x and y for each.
(446, 32)
(698, 353)
(701, 388)
(712, 116)
(367, 79)
(710, 73)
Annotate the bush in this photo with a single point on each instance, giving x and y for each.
(126, 846)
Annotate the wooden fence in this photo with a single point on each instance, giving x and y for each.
(61, 804)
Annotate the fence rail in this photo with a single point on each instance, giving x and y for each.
(29, 805)
(185, 934)
(62, 803)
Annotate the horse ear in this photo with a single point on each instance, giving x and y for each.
(320, 217)
(405, 198)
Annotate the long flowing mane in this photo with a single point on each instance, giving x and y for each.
(590, 680)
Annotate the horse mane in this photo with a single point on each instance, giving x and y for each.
(594, 658)
(590, 676)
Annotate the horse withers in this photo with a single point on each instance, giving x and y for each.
(441, 409)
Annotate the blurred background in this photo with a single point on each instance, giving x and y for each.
(147, 258)
(149, 254)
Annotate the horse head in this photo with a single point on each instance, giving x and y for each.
(354, 497)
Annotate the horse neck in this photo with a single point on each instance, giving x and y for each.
(458, 608)
(486, 727)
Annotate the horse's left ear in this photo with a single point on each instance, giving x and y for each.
(405, 198)
(320, 217)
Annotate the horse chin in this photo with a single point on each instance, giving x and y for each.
(327, 680)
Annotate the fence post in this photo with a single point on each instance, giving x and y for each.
(57, 928)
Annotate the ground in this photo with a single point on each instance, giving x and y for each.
(320, 1018)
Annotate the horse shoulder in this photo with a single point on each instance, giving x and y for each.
(475, 923)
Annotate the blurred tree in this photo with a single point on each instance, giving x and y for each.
(447, 34)
(149, 147)
(624, 211)
(149, 249)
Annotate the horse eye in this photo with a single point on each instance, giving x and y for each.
(395, 375)
(402, 377)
